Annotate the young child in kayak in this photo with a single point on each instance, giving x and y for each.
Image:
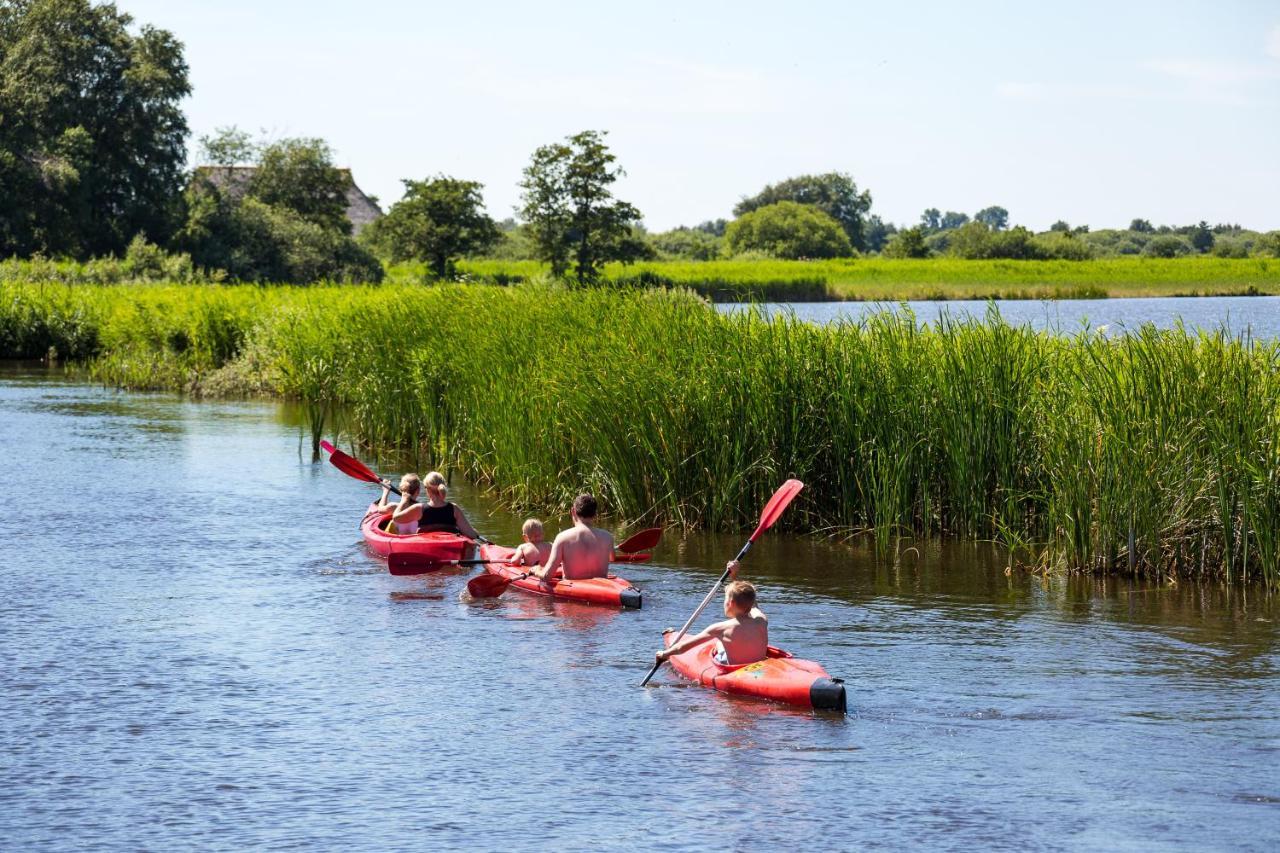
(438, 513)
(582, 551)
(742, 638)
(405, 514)
(532, 551)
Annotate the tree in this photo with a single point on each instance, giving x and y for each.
(908, 243)
(996, 218)
(299, 174)
(952, 220)
(878, 233)
(228, 146)
(712, 226)
(437, 220)
(931, 219)
(977, 240)
(1142, 226)
(834, 193)
(92, 139)
(1202, 237)
(1166, 246)
(788, 229)
(1060, 225)
(692, 244)
(571, 211)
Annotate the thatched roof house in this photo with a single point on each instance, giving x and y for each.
(234, 180)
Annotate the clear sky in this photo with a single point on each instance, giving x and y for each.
(1093, 112)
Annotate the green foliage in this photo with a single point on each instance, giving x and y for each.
(1060, 225)
(1166, 246)
(833, 193)
(1201, 237)
(298, 174)
(92, 139)
(689, 244)
(254, 241)
(1142, 226)
(908, 244)
(978, 240)
(788, 229)
(228, 146)
(996, 218)
(952, 220)
(878, 233)
(572, 215)
(1062, 245)
(1269, 244)
(438, 220)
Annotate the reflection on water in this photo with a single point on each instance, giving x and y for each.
(206, 652)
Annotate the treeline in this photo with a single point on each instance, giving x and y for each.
(93, 171)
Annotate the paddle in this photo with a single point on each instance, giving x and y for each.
(772, 510)
(408, 563)
(490, 586)
(353, 467)
(642, 541)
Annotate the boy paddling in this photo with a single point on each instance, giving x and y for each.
(582, 551)
(741, 638)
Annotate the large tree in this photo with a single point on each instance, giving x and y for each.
(92, 140)
(995, 217)
(834, 193)
(438, 220)
(572, 214)
(788, 229)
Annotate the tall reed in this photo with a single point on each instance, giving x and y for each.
(1156, 452)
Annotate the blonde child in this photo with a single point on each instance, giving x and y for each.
(741, 638)
(406, 513)
(532, 551)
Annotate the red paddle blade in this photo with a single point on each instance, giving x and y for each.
(352, 467)
(487, 586)
(403, 563)
(642, 541)
(773, 509)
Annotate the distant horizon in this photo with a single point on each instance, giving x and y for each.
(1096, 118)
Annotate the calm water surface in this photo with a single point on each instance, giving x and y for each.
(1257, 315)
(197, 651)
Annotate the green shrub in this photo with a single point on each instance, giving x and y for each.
(790, 230)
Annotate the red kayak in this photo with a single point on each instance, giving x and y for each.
(779, 677)
(611, 590)
(436, 545)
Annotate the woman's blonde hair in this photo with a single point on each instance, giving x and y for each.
(435, 483)
(411, 484)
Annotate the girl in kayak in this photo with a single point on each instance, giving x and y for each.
(742, 638)
(532, 551)
(404, 515)
(440, 514)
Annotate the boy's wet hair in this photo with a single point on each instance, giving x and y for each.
(531, 526)
(742, 594)
(584, 506)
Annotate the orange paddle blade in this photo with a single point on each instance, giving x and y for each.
(487, 586)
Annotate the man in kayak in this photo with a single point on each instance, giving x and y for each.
(533, 551)
(582, 551)
(742, 638)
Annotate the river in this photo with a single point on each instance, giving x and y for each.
(196, 651)
(1258, 316)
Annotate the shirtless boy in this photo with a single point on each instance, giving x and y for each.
(533, 551)
(742, 638)
(582, 551)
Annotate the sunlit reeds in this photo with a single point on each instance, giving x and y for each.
(1154, 452)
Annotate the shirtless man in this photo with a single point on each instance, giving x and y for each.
(582, 551)
(741, 638)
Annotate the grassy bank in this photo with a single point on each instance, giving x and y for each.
(883, 279)
(1155, 453)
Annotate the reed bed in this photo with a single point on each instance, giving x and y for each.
(1152, 453)
(880, 279)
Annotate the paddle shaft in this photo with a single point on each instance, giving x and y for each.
(701, 607)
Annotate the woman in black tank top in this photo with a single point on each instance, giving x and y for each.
(441, 514)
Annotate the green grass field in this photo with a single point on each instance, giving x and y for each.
(1155, 452)
(882, 279)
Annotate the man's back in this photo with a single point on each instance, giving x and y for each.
(586, 552)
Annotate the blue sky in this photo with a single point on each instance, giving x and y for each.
(1086, 111)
